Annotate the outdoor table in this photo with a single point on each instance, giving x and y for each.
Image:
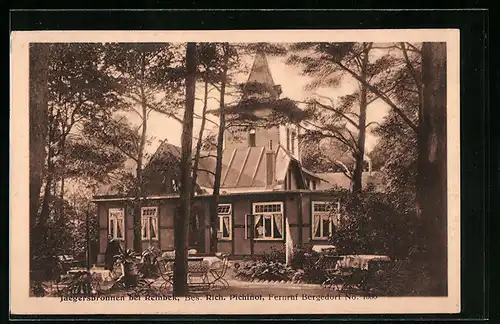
(361, 261)
(322, 248)
(351, 271)
(359, 270)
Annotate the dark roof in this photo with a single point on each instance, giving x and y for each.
(243, 169)
(339, 179)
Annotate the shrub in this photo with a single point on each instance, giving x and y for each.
(402, 277)
(373, 224)
(78, 284)
(38, 289)
(272, 271)
(273, 255)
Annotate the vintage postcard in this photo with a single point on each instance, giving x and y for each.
(235, 172)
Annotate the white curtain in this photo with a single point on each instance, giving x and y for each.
(226, 224)
(119, 228)
(144, 227)
(112, 227)
(152, 230)
(288, 244)
(279, 223)
(259, 226)
(316, 219)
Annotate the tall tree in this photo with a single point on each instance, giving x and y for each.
(140, 72)
(219, 59)
(38, 75)
(220, 144)
(425, 67)
(183, 214)
(77, 88)
(345, 121)
(432, 162)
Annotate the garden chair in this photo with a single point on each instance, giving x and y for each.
(165, 272)
(329, 265)
(218, 270)
(198, 274)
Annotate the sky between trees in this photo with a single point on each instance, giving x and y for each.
(161, 127)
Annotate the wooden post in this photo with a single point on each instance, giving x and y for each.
(87, 239)
(252, 228)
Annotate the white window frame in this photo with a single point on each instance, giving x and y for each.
(117, 215)
(267, 214)
(146, 221)
(330, 215)
(228, 215)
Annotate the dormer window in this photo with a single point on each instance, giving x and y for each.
(251, 137)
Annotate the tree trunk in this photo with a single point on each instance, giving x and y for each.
(431, 179)
(40, 230)
(39, 59)
(218, 165)
(200, 140)
(360, 154)
(182, 216)
(140, 159)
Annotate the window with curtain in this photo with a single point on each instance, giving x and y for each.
(224, 211)
(149, 217)
(116, 223)
(324, 219)
(267, 221)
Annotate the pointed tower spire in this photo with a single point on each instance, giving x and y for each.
(260, 78)
(260, 71)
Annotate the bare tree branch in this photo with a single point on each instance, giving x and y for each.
(350, 120)
(207, 171)
(381, 95)
(414, 48)
(410, 66)
(171, 115)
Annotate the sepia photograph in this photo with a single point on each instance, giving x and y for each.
(173, 171)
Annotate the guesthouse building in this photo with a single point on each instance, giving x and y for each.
(267, 196)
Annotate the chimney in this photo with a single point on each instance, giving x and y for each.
(270, 165)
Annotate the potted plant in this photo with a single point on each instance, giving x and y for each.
(149, 260)
(127, 260)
